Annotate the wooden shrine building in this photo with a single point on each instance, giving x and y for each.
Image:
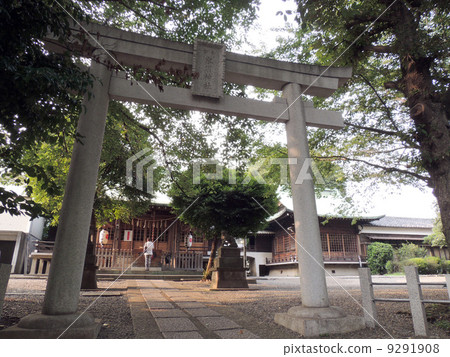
(126, 241)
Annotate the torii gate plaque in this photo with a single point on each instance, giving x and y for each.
(59, 313)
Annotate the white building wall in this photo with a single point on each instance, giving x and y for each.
(259, 259)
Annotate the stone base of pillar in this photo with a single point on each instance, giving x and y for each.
(52, 326)
(227, 278)
(317, 321)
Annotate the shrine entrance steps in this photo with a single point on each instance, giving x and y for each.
(154, 274)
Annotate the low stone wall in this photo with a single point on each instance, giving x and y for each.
(284, 270)
(342, 269)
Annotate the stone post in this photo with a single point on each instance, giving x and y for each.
(307, 234)
(418, 313)
(314, 317)
(368, 303)
(5, 271)
(64, 281)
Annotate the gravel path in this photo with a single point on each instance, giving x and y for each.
(25, 296)
(253, 309)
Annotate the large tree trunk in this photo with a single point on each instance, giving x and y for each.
(435, 150)
(430, 117)
(214, 247)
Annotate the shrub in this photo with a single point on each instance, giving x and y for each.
(428, 265)
(393, 266)
(408, 251)
(445, 266)
(417, 262)
(433, 265)
(378, 254)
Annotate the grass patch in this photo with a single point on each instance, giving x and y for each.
(439, 315)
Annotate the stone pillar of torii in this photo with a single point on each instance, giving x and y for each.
(212, 65)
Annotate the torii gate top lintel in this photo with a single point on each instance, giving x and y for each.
(132, 49)
(136, 50)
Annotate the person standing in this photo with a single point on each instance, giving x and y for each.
(103, 237)
(148, 253)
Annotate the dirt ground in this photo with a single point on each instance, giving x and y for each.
(253, 309)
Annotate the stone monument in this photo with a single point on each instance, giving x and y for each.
(228, 271)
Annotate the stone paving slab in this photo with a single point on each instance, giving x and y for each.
(100, 293)
(159, 304)
(218, 323)
(202, 312)
(236, 334)
(175, 324)
(144, 325)
(156, 298)
(178, 314)
(190, 305)
(168, 313)
(152, 292)
(182, 335)
(182, 298)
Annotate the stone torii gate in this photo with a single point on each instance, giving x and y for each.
(213, 65)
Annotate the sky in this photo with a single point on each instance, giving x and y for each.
(406, 201)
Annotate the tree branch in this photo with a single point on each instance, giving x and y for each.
(380, 49)
(384, 168)
(399, 133)
(139, 14)
(162, 146)
(157, 3)
(375, 130)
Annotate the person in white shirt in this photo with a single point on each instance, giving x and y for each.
(103, 237)
(148, 253)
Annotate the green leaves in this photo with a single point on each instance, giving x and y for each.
(16, 205)
(40, 97)
(216, 205)
(437, 238)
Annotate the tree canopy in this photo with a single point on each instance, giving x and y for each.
(42, 92)
(397, 103)
(39, 92)
(216, 205)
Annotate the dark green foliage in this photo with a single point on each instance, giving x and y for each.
(41, 92)
(410, 250)
(437, 238)
(428, 265)
(402, 254)
(217, 206)
(35, 104)
(392, 267)
(378, 254)
(445, 266)
(16, 204)
(397, 102)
